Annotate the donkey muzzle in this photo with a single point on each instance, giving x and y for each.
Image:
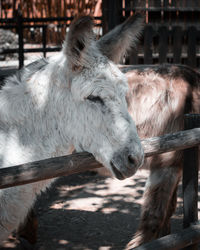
(125, 163)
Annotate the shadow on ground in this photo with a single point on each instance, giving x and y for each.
(87, 211)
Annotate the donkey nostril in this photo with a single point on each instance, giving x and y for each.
(131, 159)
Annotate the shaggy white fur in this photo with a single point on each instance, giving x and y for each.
(75, 99)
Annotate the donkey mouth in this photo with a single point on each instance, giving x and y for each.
(116, 172)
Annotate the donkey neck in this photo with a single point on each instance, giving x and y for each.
(37, 110)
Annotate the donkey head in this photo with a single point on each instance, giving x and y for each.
(100, 118)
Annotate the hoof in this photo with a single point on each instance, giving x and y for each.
(135, 242)
(28, 230)
(25, 245)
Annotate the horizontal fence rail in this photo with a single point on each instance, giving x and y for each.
(79, 162)
(184, 238)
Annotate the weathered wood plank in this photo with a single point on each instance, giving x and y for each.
(114, 13)
(75, 163)
(20, 38)
(190, 180)
(46, 169)
(184, 238)
(133, 57)
(190, 189)
(148, 39)
(171, 142)
(163, 44)
(177, 44)
(192, 33)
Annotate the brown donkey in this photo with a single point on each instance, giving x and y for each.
(158, 98)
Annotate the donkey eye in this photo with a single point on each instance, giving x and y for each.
(95, 99)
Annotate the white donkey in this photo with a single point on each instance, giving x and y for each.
(73, 100)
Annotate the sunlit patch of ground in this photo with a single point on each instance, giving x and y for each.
(91, 212)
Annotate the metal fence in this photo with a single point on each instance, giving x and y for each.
(172, 32)
(21, 25)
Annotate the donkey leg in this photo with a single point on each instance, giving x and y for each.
(14, 206)
(166, 229)
(159, 192)
(28, 229)
(15, 203)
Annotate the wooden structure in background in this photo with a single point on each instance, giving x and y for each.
(46, 8)
(46, 11)
(172, 31)
(171, 35)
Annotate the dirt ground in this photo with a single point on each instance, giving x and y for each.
(91, 212)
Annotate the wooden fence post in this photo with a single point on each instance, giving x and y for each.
(20, 38)
(177, 44)
(163, 43)
(112, 14)
(192, 41)
(190, 179)
(148, 39)
(44, 39)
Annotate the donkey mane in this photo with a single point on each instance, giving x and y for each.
(29, 70)
(174, 71)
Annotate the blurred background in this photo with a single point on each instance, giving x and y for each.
(38, 27)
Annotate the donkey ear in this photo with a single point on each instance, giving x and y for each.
(116, 43)
(78, 40)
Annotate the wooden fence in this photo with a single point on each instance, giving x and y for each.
(160, 44)
(165, 44)
(172, 32)
(75, 163)
(169, 12)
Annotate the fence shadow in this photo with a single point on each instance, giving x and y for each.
(87, 211)
(90, 212)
